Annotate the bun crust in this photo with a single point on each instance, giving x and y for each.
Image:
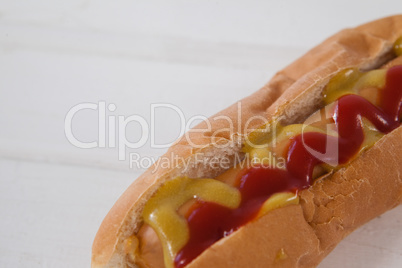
(328, 211)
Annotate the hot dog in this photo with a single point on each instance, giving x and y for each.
(333, 117)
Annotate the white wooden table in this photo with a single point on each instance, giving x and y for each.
(55, 55)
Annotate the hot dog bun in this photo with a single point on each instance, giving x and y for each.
(328, 211)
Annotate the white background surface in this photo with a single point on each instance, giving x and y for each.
(198, 55)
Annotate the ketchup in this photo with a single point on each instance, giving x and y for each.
(209, 222)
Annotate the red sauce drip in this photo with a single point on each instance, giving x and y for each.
(209, 222)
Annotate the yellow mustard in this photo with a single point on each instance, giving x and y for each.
(160, 211)
(398, 46)
(353, 81)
